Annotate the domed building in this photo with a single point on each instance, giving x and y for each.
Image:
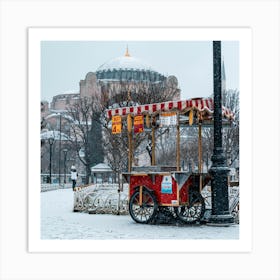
(128, 68)
(125, 73)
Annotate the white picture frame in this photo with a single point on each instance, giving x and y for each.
(16, 18)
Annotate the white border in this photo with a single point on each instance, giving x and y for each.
(262, 262)
(243, 35)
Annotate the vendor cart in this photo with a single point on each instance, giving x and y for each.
(154, 187)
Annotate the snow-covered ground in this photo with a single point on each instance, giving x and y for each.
(58, 221)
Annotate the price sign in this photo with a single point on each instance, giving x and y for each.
(138, 124)
(116, 124)
(166, 184)
(168, 118)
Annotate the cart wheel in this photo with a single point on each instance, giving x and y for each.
(146, 212)
(193, 212)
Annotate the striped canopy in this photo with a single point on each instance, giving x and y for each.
(182, 106)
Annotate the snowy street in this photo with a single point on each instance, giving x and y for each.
(58, 221)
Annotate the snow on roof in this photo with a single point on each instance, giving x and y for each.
(57, 113)
(71, 91)
(125, 63)
(54, 134)
(101, 167)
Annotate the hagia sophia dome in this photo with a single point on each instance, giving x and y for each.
(127, 68)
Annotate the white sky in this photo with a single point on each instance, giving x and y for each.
(65, 63)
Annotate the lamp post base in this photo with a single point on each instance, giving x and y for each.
(221, 220)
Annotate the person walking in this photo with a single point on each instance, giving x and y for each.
(74, 176)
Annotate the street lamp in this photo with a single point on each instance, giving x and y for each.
(65, 154)
(51, 141)
(220, 203)
(59, 153)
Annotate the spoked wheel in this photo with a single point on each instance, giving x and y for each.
(193, 212)
(143, 208)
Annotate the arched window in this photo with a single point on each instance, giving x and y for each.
(109, 74)
(134, 75)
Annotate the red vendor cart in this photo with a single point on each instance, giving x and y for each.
(155, 187)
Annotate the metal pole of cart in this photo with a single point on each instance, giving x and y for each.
(178, 144)
(220, 203)
(153, 142)
(129, 131)
(129, 151)
(200, 154)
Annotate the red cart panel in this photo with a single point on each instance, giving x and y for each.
(164, 186)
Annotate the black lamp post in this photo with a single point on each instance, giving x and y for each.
(219, 170)
(65, 155)
(59, 153)
(51, 141)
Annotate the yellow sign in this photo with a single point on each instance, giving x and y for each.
(116, 124)
(138, 124)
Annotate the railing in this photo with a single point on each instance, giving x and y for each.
(234, 203)
(101, 199)
(53, 187)
(45, 178)
(233, 195)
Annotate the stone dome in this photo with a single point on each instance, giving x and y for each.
(125, 63)
(128, 68)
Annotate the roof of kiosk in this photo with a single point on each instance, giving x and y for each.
(182, 106)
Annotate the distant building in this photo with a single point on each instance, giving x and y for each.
(120, 71)
(61, 101)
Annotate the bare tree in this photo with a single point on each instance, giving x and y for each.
(230, 100)
(86, 131)
(43, 123)
(189, 140)
(93, 134)
(129, 94)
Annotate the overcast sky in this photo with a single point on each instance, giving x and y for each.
(65, 63)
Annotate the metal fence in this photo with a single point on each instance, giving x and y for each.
(53, 187)
(101, 199)
(45, 179)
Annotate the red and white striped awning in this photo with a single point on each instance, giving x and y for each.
(200, 104)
